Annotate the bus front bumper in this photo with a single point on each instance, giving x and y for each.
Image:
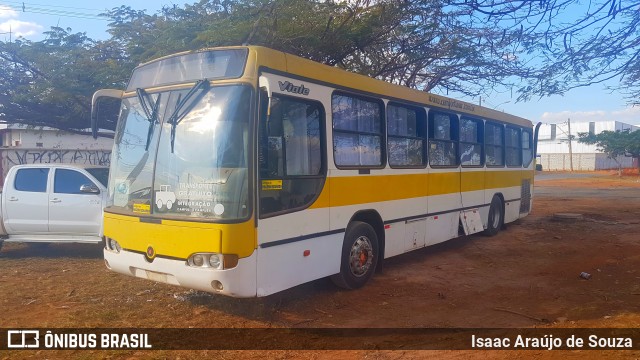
(239, 281)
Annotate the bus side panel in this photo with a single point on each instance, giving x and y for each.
(290, 264)
(506, 182)
(472, 187)
(512, 209)
(296, 248)
(442, 227)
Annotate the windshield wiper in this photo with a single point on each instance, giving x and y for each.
(181, 110)
(151, 113)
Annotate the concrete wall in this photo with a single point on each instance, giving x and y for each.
(582, 162)
(554, 150)
(20, 137)
(23, 145)
(11, 157)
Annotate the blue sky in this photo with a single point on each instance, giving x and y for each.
(593, 103)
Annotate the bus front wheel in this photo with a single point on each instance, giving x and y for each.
(496, 217)
(359, 256)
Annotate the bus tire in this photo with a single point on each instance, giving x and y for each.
(359, 256)
(495, 220)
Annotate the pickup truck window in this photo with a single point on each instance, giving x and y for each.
(101, 174)
(69, 182)
(32, 180)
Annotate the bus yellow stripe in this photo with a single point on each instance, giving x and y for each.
(352, 190)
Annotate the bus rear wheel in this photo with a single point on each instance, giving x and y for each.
(496, 217)
(359, 256)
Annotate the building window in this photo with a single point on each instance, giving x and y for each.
(39, 144)
(357, 131)
(406, 129)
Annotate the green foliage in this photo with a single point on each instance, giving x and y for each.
(614, 143)
(470, 47)
(421, 44)
(50, 83)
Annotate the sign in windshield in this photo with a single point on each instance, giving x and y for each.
(212, 65)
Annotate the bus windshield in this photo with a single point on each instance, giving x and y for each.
(194, 168)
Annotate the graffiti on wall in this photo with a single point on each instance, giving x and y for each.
(11, 157)
(33, 156)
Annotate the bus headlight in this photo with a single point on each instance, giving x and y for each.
(198, 260)
(213, 261)
(113, 245)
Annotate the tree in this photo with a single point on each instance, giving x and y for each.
(615, 143)
(50, 83)
(473, 47)
(423, 44)
(569, 43)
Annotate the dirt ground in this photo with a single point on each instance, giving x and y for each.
(526, 276)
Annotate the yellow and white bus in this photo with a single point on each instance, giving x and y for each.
(245, 171)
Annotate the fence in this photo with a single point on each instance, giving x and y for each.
(583, 162)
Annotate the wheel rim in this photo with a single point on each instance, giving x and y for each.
(361, 256)
(496, 216)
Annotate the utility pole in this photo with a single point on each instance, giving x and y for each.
(5, 33)
(570, 150)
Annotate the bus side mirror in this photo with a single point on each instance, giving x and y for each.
(111, 93)
(535, 139)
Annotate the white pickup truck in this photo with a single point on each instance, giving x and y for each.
(43, 203)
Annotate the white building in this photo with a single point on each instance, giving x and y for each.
(20, 144)
(553, 146)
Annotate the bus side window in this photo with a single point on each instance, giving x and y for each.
(513, 153)
(443, 139)
(406, 130)
(471, 138)
(291, 161)
(494, 144)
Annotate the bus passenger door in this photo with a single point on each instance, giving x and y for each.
(292, 170)
(472, 174)
(444, 178)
